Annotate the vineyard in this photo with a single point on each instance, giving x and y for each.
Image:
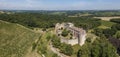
(15, 40)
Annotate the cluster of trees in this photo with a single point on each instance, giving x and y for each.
(64, 48)
(117, 20)
(105, 13)
(107, 32)
(100, 48)
(116, 43)
(104, 32)
(86, 22)
(65, 32)
(116, 27)
(95, 13)
(48, 20)
(112, 34)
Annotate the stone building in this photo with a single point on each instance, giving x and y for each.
(79, 35)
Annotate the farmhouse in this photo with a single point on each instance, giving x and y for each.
(78, 33)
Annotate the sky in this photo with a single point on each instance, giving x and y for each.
(60, 4)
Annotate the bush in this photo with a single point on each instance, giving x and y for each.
(34, 46)
(54, 55)
(55, 41)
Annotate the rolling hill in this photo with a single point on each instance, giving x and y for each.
(15, 39)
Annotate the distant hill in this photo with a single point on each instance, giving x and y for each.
(15, 39)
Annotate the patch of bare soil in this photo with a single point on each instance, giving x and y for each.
(106, 18)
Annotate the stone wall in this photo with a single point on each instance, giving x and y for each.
(79, 35)
(82, 39)
(69, 41)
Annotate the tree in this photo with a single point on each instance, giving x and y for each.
(65, 32)
(48, 37)
(84, 51)
(55, 41)
(116, 27)
(44, 20)
(100, 48)
(109, 32)
(95, 52)
(117, 20)
(66, 49)
(98, 31)
(118, 35)
(89, 40)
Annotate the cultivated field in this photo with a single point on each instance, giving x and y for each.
(106, 18)
(15, 40)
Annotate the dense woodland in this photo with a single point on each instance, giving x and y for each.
(99, 13)
(100, 48)
(112, 34)
(48, 21)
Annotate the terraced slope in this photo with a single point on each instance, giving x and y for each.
(15, 40)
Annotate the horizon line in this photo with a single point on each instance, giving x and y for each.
(57, 10)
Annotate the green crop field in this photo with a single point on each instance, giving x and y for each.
(15, 40)
(106, 24)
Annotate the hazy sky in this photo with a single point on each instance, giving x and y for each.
(60, 4)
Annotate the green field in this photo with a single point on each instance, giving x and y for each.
(106, 24)
(15, 40)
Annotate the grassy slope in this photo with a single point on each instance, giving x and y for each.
(15, 39)
(44, 43)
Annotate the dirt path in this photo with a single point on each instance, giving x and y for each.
(35, 54)
(56, 51)
(32, 53)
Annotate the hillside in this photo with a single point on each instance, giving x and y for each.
(15, 40)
